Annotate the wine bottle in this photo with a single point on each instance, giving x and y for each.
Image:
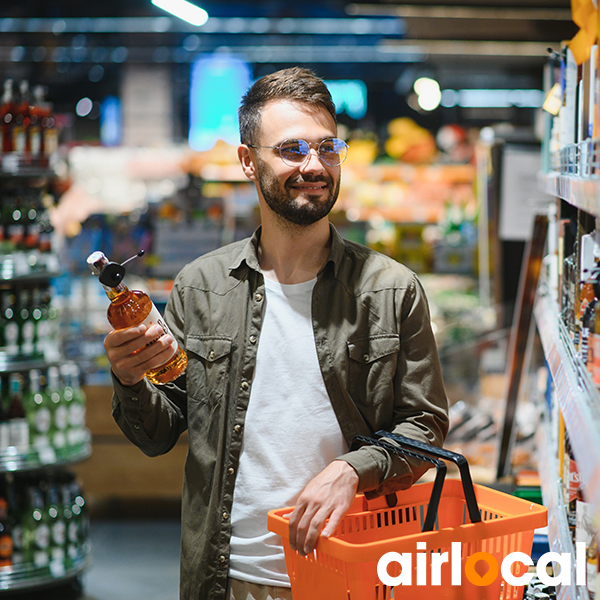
(129, 308)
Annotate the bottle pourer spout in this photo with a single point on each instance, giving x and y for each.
(109, 273)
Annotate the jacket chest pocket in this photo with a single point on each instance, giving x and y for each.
(372, 367)
(208, 367)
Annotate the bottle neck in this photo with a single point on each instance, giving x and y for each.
(115, 293)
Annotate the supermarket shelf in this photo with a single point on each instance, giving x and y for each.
(558, 529)
(578, 397)
(15, 165)
(30, 577)
(583, 193)
(12, 459)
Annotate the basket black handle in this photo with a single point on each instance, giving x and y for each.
(433, 454)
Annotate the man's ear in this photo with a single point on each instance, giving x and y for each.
(247, 162)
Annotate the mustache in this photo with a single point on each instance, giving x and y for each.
(309, 179)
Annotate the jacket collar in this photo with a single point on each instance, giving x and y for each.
(249, 252)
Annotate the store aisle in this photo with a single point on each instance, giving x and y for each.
(133, 560)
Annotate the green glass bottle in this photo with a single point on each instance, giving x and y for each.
(39, 415)
(36, 530)
(17, 415)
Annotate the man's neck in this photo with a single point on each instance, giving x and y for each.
(293, 254)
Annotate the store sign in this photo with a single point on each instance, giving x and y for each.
(433, 575)
(218, 82)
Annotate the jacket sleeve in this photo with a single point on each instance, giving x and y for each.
(154, 416)
(420, 405)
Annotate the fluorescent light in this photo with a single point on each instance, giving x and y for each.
(184, 10)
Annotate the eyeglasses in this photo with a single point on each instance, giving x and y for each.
(294, 153)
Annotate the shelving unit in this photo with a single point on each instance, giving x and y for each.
(33, 268)
(575, 179)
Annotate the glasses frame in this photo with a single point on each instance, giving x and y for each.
(306, 157)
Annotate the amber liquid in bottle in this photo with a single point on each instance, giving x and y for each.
(129, 308)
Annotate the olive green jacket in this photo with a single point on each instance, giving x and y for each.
(378, 358)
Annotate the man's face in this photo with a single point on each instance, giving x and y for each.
(301, 194)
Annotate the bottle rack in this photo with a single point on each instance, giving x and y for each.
(577, 397)
(26, 266)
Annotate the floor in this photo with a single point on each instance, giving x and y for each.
(131, 560)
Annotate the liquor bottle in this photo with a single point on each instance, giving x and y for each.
(76, 403)
(26, 324)
(15, 517)
(72, 533)
(36, 532)
(15, 226)
(59, 410)
(4, 422)
(36, 317)
(20, 131)
(10, 325)
(38, 113)
(17, 418)
(80, 517)
(7, 115)
(58, 532)
(6, 541)
(131, 308)
(37, 409)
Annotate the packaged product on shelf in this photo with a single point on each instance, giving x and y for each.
(76, 403)
(571, 486)
(38, 411)
(6, 541)
(58, 533)
(7, 109)
(585, 532)
(18, 426)
(59, 410)
(36, 529)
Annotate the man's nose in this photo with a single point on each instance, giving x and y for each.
(312, 162)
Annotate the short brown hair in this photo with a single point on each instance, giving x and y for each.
(295, 83)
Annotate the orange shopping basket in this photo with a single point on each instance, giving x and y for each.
(464, 532)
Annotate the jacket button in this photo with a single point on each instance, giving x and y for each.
(245, 385)
(211, 355)
(253, 339)
(258, 297)
(237, 428)
(225, 516)
(231, 470)
(222, 558)
(366, 357)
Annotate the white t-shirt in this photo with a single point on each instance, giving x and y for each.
(291, 432)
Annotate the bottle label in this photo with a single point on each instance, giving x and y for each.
(11, 335)
(42, 420)
(155, 318)
(59, 533)
(4, 435)
(61, 417)
(19, 433)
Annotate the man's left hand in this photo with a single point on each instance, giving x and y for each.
(329, 495)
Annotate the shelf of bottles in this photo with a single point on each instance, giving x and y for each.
(574, 175)
(43, 529)
(28, 133)
(578, 396)
(43, 525)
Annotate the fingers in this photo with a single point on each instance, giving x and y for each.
(307, 525)
(131, 352)
(329, 495)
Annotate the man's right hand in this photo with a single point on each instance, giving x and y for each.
(131, 352)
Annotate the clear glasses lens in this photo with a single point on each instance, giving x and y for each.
(331, 152)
